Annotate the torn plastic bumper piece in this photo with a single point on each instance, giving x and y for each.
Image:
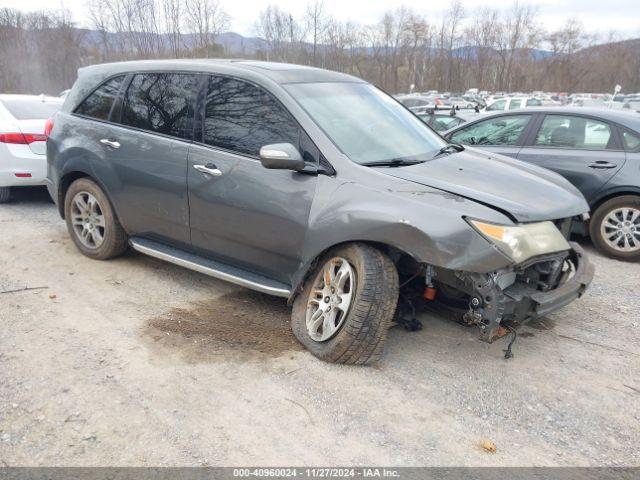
(514, 295)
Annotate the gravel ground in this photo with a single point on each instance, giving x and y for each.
(138, 362)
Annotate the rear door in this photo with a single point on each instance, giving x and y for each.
(145, 171)
(585, 150)
(500, 134)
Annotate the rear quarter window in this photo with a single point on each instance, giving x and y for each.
(99, 104)
(22, 109)
(631, 141)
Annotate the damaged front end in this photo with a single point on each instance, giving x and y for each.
(501, 300)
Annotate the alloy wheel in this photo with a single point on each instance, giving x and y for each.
(87, 219)
(330, 299)
(620, 229)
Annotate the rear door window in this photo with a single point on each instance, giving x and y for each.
(567, 131)
(494, 131)
(162, 103)
(242, 118)
(26, 109)
(99, 104)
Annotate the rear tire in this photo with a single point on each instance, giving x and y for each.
(5, 194)
(614, 220)
(92, 222)
(361, 332)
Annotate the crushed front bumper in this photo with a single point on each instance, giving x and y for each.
(518, 294)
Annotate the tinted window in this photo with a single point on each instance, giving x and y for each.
(243, 118)
(30, 109)
(534, 102)
(495, 131)
(99, 103)
(162, 103)
(631, 141)
(565, 131)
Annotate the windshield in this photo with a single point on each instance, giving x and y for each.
(366, 124)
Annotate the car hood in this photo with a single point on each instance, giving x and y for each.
(526, 192)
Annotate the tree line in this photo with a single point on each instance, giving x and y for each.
(485, 48)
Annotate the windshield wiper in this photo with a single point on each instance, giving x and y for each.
(396, 162)
(449, 148)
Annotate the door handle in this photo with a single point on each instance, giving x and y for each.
(209, 169)
(602, 164)
(110, 143)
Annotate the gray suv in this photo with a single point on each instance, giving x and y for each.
(314, 186)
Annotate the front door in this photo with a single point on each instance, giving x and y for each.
(246, 214)
(584, 150)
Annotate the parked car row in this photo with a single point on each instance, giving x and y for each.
(441, 120)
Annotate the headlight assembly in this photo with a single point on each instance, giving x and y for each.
(521, 242)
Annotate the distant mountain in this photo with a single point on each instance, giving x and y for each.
(235, 44)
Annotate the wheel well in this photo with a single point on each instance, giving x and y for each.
(610, 196)
(65, 183)
(405, 263)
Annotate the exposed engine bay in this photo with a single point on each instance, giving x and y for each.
(499, 302)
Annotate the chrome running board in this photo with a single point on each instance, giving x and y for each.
(210, 267)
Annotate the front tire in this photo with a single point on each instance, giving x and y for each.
(92, 222)
(5, 194)
(615, 227)
(346, 306)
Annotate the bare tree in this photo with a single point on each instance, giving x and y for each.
(516, 33)
(172, 11)
(317, 24)
(281, 33)
(206, 19)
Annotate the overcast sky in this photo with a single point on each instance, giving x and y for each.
(598, 16)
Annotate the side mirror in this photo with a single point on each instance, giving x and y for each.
(281, 156)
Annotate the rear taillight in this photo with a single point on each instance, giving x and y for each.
(48, 126)
(22, 138)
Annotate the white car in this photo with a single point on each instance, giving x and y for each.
(23, 147)
(512, 103)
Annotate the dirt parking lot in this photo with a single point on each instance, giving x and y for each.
(138, 362)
